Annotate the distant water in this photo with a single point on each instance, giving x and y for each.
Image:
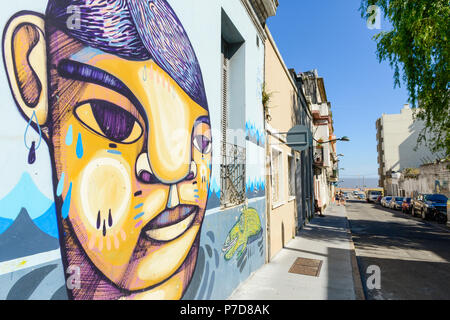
(355, 182)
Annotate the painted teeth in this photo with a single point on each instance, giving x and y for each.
(171, 232)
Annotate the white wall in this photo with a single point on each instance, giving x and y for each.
(400, 134)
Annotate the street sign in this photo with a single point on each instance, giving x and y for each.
(299, 138)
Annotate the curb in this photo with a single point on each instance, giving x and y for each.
(358, 287)
(359, 291)
(357, 282)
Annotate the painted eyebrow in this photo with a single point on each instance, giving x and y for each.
(87, 73)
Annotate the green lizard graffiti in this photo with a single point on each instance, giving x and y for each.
(246, 229)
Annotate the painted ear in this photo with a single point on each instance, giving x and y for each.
(25, 58)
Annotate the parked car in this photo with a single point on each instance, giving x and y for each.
(396, 203)
(372, 195)
(361, 196)
(384, 202)
(406, 205)
(430, 206)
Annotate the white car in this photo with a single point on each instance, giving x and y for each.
(396, 203)
(385, 201)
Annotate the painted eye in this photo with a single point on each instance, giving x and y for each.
(110, 121)
(202, 143)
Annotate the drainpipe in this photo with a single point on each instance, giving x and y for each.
(267, 170)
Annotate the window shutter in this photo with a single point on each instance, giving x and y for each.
(233, 164)
(224, 96)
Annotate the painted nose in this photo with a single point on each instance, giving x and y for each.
(146, 174)
(169, 154)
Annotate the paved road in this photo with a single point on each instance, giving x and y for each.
(413, 255)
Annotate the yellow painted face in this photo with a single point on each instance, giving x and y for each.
(134, 168)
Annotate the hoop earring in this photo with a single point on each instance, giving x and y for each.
(33, 148)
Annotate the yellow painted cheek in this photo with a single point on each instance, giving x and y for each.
(188, 193)
(105, 191)
(203, 174)
(103, 210)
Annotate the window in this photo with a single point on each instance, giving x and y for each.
(277, 176)
(291, 168)
(232, 173)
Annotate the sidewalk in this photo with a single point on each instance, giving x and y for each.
(325, 238)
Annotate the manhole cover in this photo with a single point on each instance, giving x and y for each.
(308, 267)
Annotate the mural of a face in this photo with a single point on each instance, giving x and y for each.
(128, 128)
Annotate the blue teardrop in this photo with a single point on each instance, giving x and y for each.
(69, 136)
(80, 150)
(60, 188)
(66, 205)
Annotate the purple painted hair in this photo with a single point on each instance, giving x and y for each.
(135, 30)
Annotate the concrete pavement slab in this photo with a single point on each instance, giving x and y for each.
(325, 238)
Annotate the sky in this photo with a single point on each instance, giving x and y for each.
(331, 36)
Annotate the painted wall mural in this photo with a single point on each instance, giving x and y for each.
(246, 230)
(126, 120)
(112, 96)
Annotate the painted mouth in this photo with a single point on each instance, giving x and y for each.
(171, 223)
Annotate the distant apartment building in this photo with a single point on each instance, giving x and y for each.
(397, 136)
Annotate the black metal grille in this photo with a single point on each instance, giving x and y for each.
(232, 175)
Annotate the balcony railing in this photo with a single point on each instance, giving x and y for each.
(334, 176)
(318, 157)
(232, 175)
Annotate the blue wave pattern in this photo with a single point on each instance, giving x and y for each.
(255, 188)
(214, 188)
(27, 195)
(24, 195)
(254, 134)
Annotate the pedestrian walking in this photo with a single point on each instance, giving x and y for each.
(318, 209)
(342, 198)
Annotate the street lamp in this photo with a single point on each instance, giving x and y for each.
(344, 138)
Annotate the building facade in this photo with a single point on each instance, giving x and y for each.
(397, 136)
(305, 177)
(282, 220)
(427, 179)
(133, 158)
(325, 159)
